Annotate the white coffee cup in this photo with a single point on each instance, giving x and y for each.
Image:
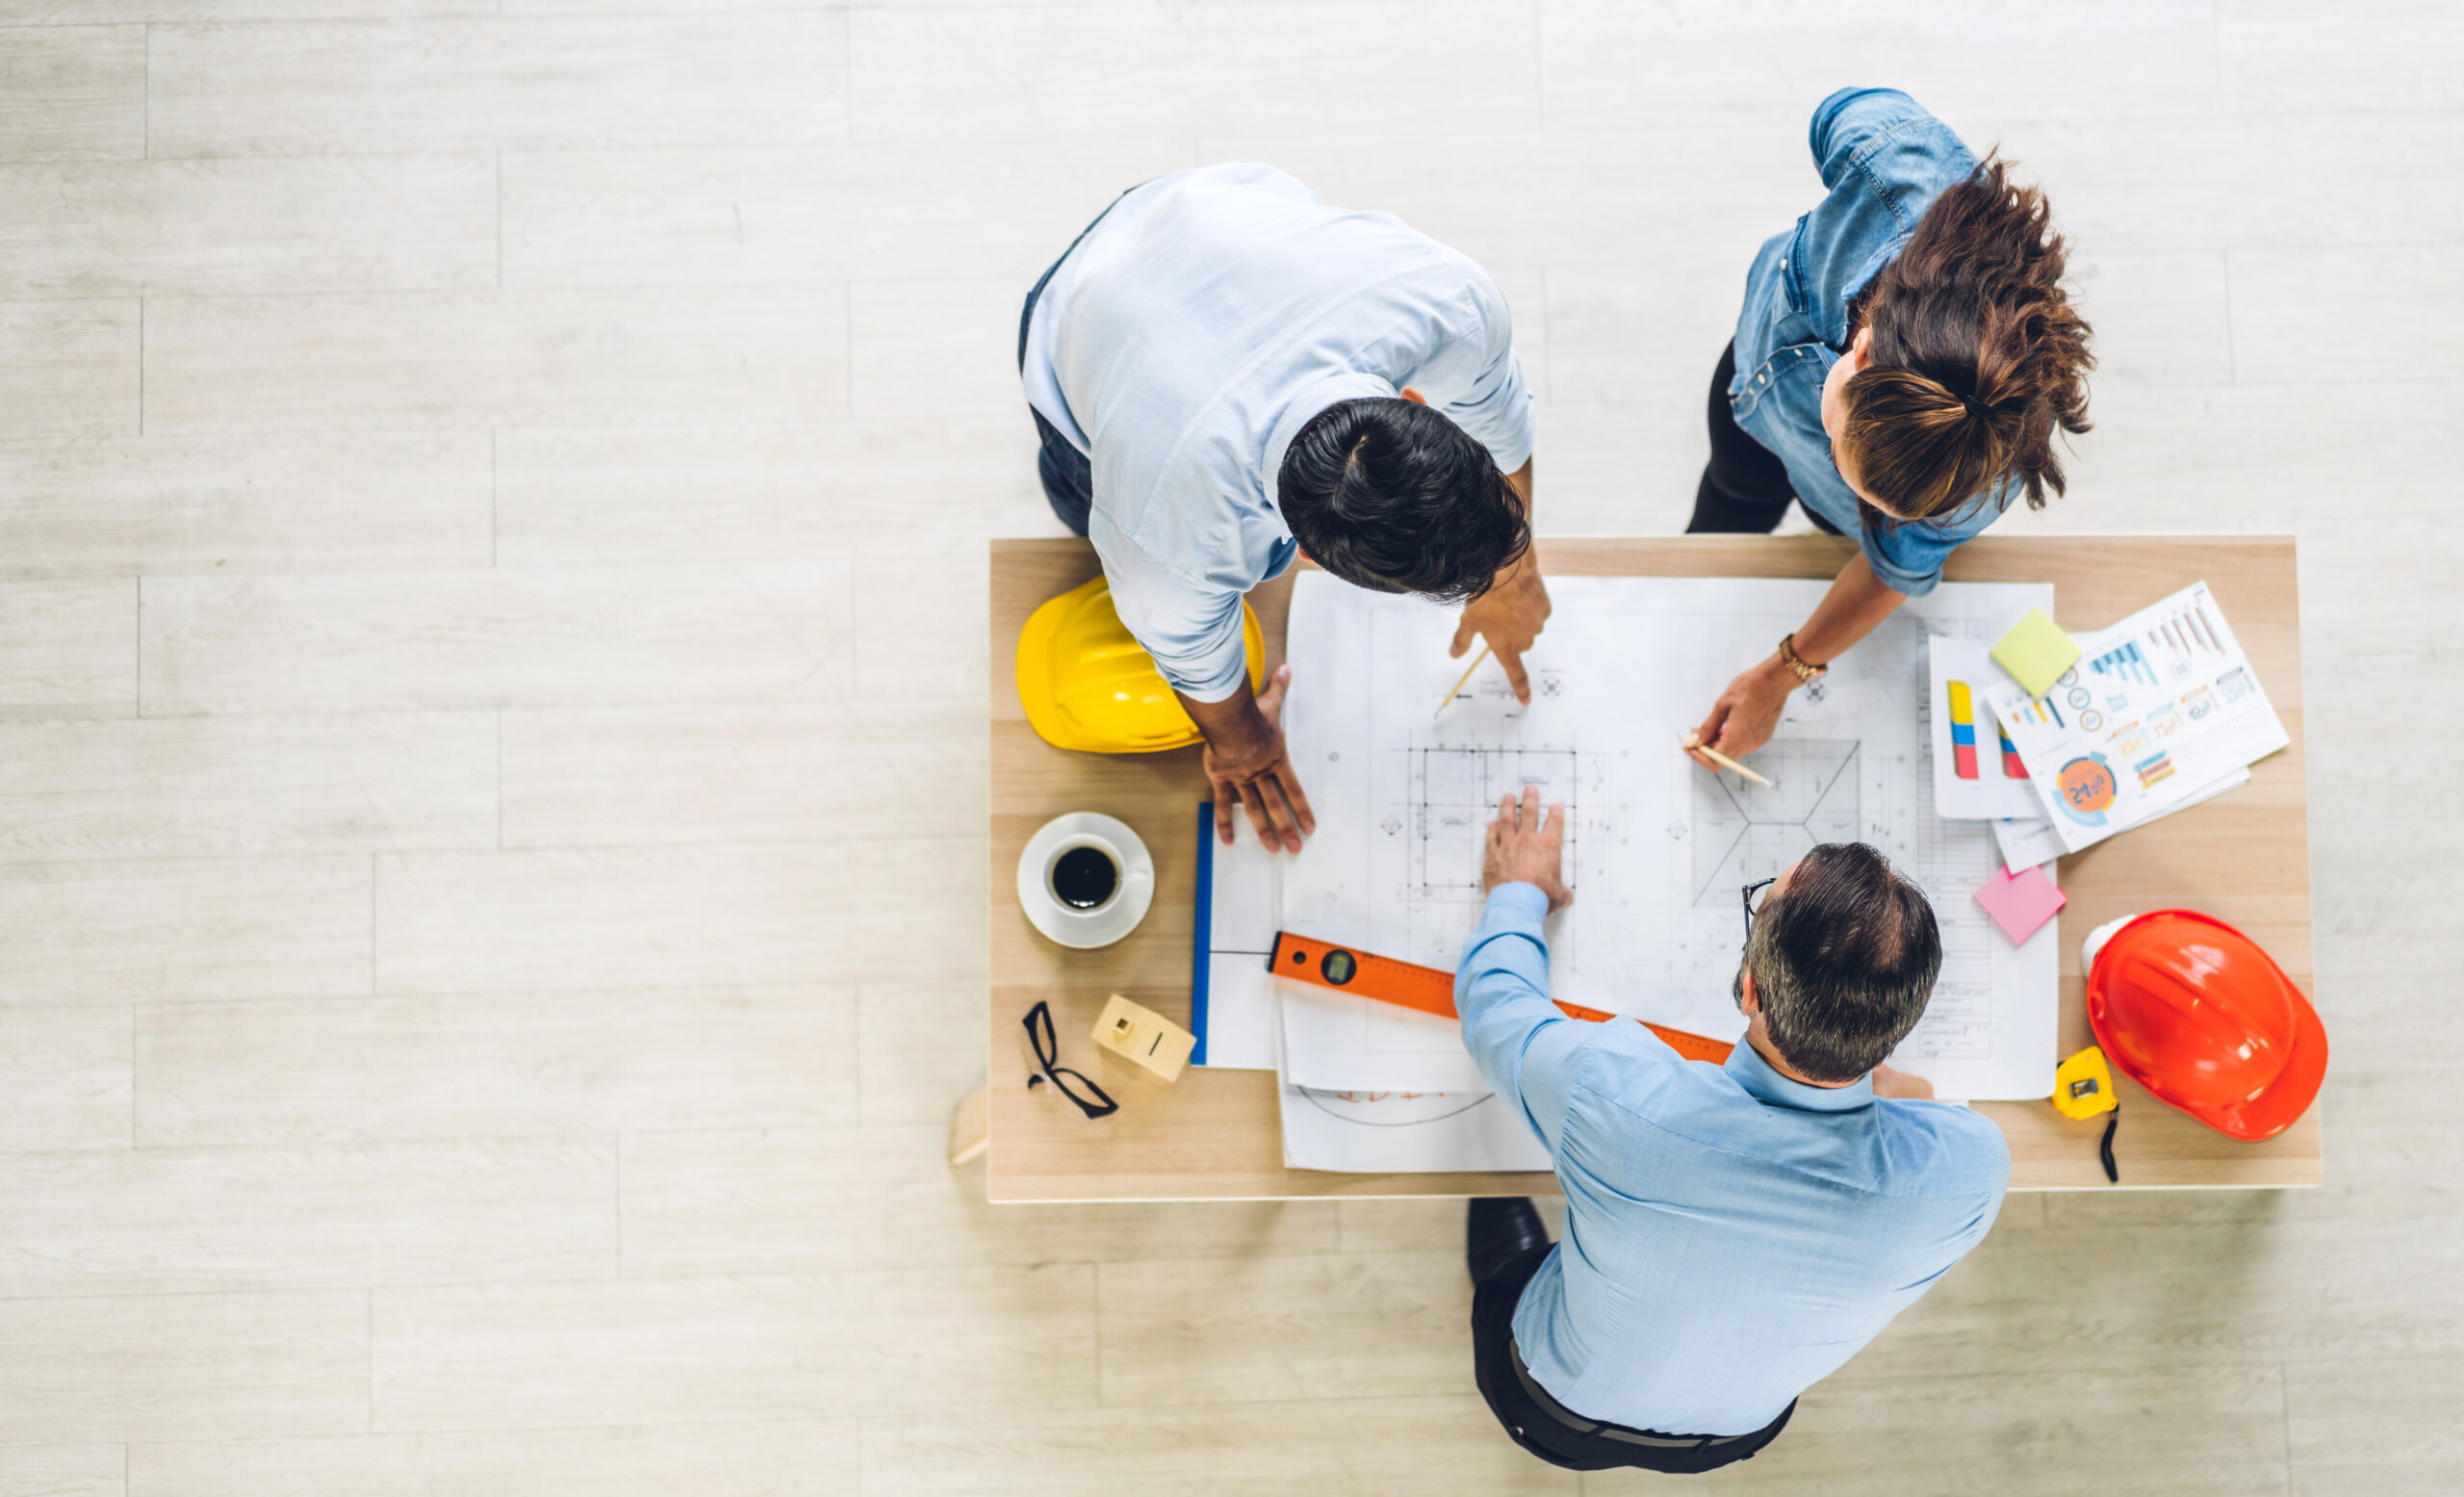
(1085, 876)
(1084, 880)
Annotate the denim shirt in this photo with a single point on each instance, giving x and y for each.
(1885, 160)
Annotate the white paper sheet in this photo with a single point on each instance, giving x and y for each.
(1245, 909)
(1656, 848)
(1990, 790)
(2160, 707)
(1395, 1132)
(1340, 1042)
(2029, 844)
(2026, 844)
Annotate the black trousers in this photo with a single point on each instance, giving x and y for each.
(1547, 1435)
(1745, 488)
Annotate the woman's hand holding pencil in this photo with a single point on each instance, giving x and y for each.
(1694, 744)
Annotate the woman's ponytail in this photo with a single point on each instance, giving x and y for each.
(1977, 356)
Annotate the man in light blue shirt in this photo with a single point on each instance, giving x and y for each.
(1226, 371)
(1733, 1234)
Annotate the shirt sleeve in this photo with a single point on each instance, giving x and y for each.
(1475, 380)
(1884, 160)
(1854, 120)
(1908, 557)
(1974, 1153)
(1193, 630)
(1525, 1045)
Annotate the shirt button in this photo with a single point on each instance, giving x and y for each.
(1758, 380)
(1783, 265)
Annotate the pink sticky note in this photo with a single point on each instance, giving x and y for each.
(2020, 903)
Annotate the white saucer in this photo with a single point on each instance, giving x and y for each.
(1108, 922)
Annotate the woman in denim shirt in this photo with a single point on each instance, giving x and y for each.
(1904, 359)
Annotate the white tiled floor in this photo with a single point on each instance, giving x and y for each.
(491, 667)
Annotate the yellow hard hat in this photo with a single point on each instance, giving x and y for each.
(1088, 683)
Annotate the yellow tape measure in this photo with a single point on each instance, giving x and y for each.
(2082, 1086)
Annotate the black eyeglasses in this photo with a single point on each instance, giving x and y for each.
(1067, 1082)
(1749, 892)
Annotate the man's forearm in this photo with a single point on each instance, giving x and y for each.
(1502, 985)
(1233, 724)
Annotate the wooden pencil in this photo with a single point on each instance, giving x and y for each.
(1458, 682)
(1720, 759)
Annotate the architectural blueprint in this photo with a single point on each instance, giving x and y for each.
(1657, 850)
(1405, 1132)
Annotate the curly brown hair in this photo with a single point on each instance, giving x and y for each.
(1977, 355)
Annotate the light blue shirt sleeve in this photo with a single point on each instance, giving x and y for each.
(1476, 381)
(1190, 627)
(1525, 1045)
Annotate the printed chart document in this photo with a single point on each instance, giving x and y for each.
(2026, 844)
(1657, 849)
(2160, 707)
(1978, 774)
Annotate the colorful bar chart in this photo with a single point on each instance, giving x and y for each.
(1963, 731)
(2127, 661)
(2011, 768)
(2040, 709)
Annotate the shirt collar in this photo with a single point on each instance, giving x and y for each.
(1747, 1068)
(1305, 406)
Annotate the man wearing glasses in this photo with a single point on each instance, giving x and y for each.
(1733, 1234)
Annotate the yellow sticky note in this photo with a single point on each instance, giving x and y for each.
(1140, 1034)
(2035, 652)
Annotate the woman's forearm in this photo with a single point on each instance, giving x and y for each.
(1857, 602)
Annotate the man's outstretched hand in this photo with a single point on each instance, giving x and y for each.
(1509, 616)
(1524, 849)
(1247, 765)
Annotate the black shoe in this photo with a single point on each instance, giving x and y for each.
(1501, 1229)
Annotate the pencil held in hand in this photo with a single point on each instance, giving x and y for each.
(1458, 684)
(1694, 741)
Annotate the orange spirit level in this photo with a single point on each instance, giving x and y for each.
(1429, 989)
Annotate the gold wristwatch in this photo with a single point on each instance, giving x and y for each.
(1806, 672)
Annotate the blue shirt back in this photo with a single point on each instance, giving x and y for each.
(1731, 1236)
(1884, 160)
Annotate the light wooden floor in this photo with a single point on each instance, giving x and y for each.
(491, 701)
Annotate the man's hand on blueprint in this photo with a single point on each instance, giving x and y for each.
(1247, 765)
(1509, 616)
(1525, 848)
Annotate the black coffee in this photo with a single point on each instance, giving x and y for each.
(1085, 878)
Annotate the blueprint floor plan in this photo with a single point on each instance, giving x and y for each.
(1656, 848)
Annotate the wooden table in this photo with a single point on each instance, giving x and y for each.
(2243, 857)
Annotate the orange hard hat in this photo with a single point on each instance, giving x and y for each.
(2194, 1011)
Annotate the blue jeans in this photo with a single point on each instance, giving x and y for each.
(1068, 478)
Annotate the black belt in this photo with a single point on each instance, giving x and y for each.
(1605, 1431)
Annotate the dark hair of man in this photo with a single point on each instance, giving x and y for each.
(1843, 961)
(1978, 357)
(1391, 496)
